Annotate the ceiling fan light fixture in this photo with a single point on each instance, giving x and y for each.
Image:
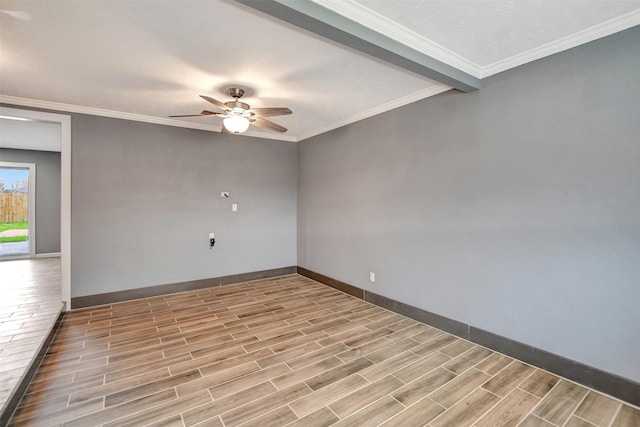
(236, 124)
(237, 116)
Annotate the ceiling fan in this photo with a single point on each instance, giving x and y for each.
(238, 115)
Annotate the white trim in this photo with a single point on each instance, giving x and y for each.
(65, 189)
(59, 106)
(278, 137)
(32, 209)
(379, 23)
(383, 25)
(49, 255)
(603, 29)
(396, 103)
(65, 208)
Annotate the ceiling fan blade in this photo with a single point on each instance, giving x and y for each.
(214, 102)
(271, 111)
(203, 113)
(267, 124)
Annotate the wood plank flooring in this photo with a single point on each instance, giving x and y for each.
(289, 351)
(29, 307)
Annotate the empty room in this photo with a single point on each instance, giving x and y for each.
(320, 212)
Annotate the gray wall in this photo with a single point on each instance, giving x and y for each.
(47, 194)
(515, 208)
(145, 197)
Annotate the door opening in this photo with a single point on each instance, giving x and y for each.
(65, 188)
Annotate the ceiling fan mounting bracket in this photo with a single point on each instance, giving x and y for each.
(235, 92)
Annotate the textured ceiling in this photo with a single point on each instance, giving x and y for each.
(146, 60)
(486, 34)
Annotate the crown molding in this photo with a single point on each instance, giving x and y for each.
(381, 24)
(396, 103)
(326, 23)
(71, 108)
(389, 28)
(603, 29)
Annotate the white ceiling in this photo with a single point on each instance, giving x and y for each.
(147, 60)
(30, 135)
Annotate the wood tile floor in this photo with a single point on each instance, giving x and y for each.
(289, 351)
(29, 306)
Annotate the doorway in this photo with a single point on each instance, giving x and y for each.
(17, 210)
(65, 187)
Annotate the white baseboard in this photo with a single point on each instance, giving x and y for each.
(48, 255)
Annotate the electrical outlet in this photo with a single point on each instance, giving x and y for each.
(225, 194)
(372, 276)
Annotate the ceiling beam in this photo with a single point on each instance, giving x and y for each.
(324, 22)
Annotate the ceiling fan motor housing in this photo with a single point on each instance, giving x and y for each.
(237, 104)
